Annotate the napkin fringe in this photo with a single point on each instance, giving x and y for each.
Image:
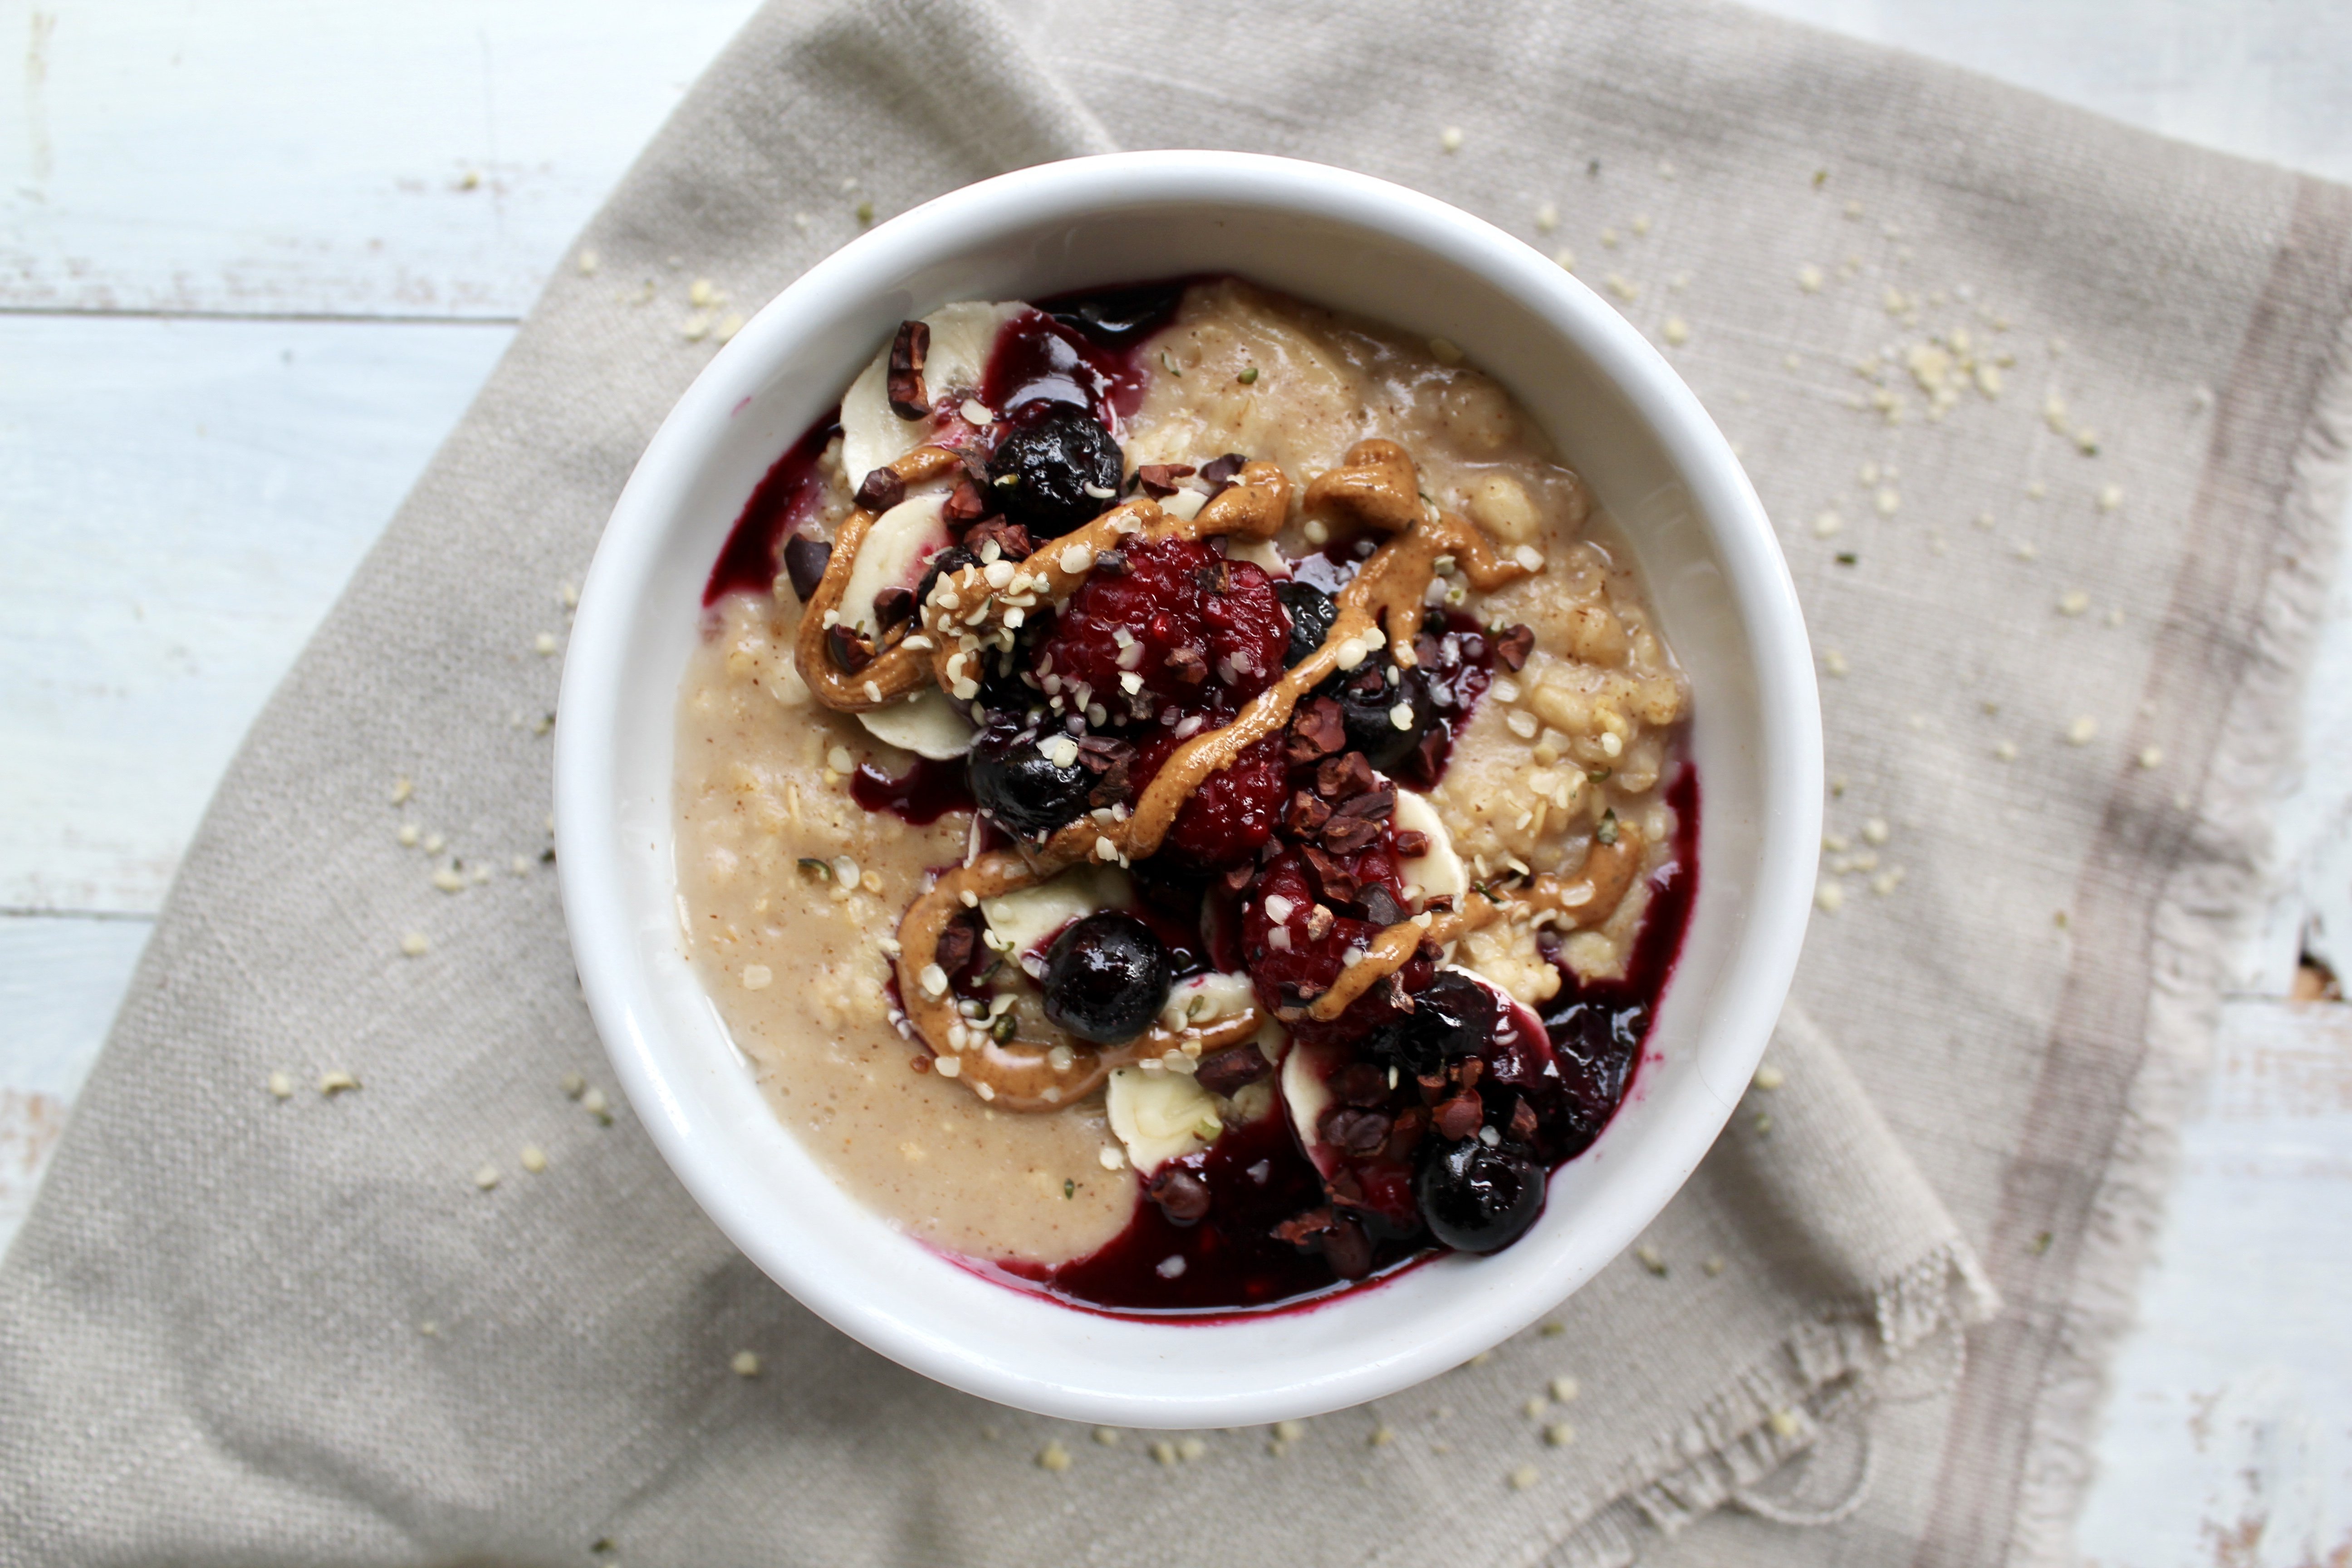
(1769, 1413)
(2203, 915)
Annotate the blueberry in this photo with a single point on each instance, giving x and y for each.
(1368, 705)
(1312, 611)
(1018, 787)
(954, 558)
(1040, 473)
(1311, 619)
(1452, 1017)
(1480, 1197)
(1106, 977)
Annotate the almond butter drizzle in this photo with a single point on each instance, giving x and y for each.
(1607, 872)
(1377, 487)
(895, 671)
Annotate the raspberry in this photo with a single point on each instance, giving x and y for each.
(1287, 978)
(1232, 813)
(1203, 636)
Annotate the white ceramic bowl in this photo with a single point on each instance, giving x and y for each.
(1623, 419)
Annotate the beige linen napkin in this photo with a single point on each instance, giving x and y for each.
(241, 1330)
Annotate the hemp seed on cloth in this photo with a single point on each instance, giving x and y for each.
(2052, 416)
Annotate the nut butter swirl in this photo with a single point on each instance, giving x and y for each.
(977, 609)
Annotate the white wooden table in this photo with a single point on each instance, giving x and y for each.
(254, 263)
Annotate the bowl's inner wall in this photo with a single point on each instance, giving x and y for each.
(780, 375)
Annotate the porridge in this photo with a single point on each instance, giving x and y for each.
(1180, 799)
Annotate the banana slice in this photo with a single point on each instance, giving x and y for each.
(962, 337)
(1260, 554)
(1022, 921)
(892, 555)
(1184, 503)
(1439, 872)
(1307, 1089)
(1200, 998)
(1160, 1116)
(929, 723)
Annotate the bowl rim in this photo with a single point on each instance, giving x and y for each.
(606, 939)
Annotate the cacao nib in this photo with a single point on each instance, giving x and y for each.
(1523, 1120)
(881, 489)
(958, 942)
(1380, 907)
(1411, 844)
(851, 648)
(1359, 1134)
(910, 399)
(893, 607)
(1306, 815)
(965, 503)
(1181, 1195)
(1111, 563)
(1514, 646)
(1461, 1116)
(1111, 786)
(804, 563)
(1317, 730)
(1220, 471)
(1339, 778)
(1356, 825)
(1429, 754)
(1159, 479)
(1337, 882)
(1234, 1067)
(1190, 665)
(1360, 1084)
(1305, 1229)
(1011, 538)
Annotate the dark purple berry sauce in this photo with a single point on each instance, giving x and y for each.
(921, 795)
(1235, 1266)
(779, 503)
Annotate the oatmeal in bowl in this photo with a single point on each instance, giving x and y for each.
(1181, 798)
(1129, 779)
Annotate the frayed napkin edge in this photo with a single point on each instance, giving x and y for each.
(2203, 915)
